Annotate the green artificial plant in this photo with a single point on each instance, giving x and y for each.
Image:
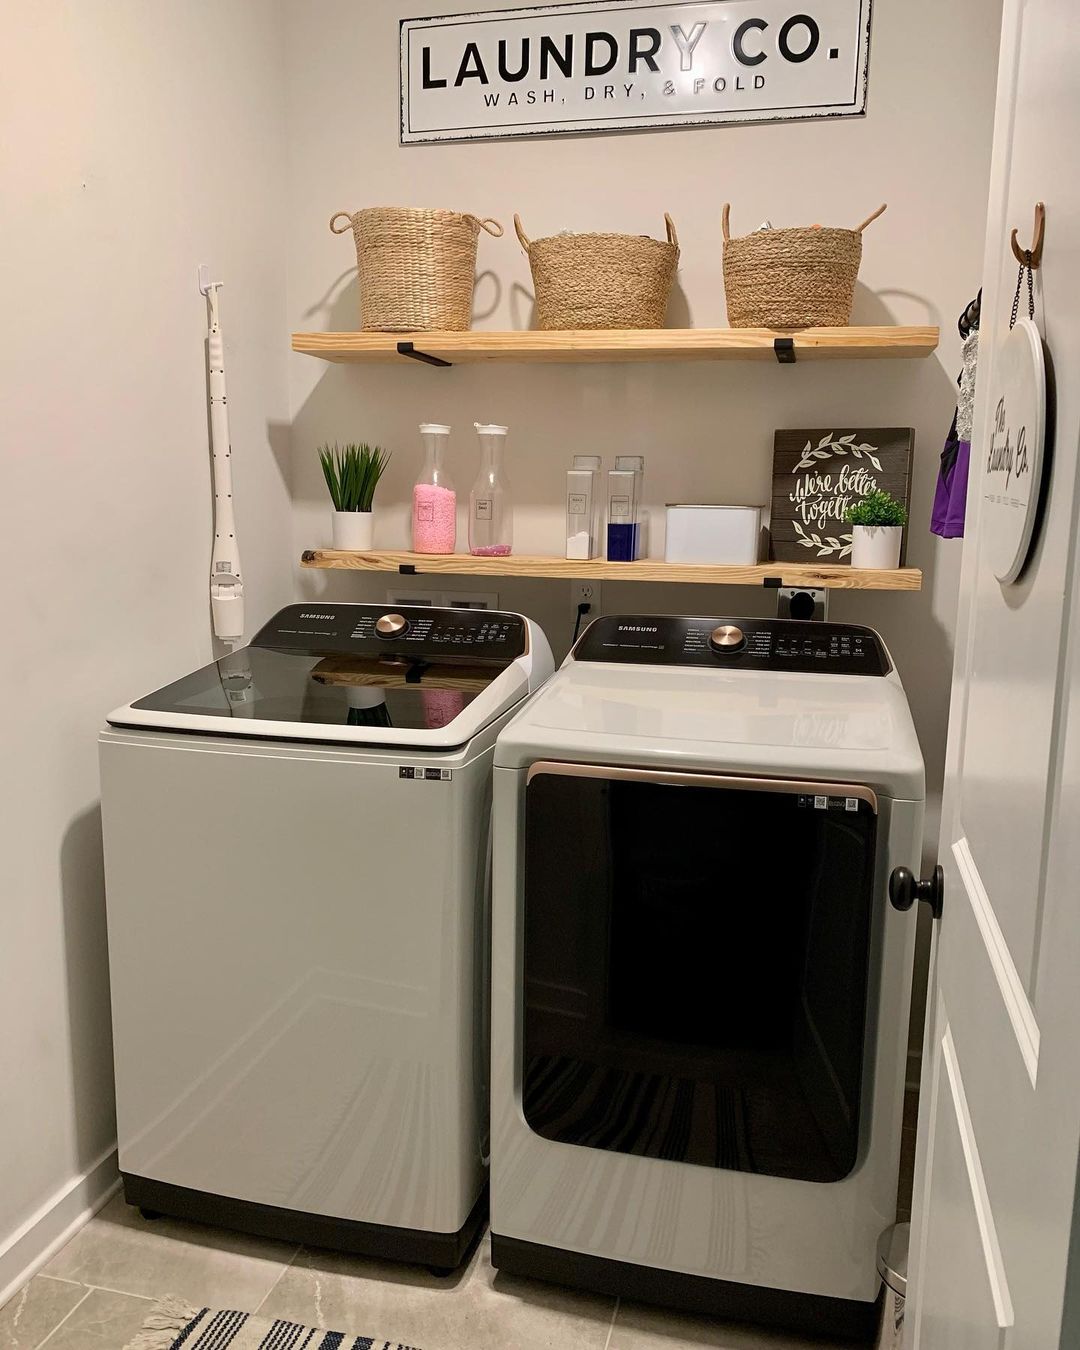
(876, 508)
(352, 474)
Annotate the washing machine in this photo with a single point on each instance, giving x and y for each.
(296, 855)
(700, 991)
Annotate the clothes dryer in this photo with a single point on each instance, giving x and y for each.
(700, 990)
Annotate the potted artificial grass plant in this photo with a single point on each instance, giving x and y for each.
(352, 474)
(877, 530)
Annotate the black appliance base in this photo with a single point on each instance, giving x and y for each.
(848, 1318)
(441, 1250)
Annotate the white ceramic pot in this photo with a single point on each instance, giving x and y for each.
(876, 546)
(352, 530)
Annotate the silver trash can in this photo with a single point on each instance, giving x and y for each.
(892, 1254)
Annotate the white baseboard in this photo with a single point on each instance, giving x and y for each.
(61, 1216)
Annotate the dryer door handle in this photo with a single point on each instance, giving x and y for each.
(905, 889)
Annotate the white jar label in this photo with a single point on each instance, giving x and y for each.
(483, 508)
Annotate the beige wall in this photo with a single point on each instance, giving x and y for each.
(137, 141)
(705, 430)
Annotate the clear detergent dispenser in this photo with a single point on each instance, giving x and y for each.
(491, 514)
(434, 513)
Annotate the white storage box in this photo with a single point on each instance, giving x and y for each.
(712, 534)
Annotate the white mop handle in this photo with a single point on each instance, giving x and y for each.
(226, 578)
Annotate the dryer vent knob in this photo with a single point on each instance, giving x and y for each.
(727, 639)
(391, 625)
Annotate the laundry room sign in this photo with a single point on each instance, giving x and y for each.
(615, 66)
(818, 474)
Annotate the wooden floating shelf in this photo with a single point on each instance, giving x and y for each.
(647, 344)
(525, 565)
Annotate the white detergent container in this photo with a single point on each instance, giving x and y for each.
(700, 533)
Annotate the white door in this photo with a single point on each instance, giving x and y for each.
(995, 1203)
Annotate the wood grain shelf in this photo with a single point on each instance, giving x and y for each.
(525, 565)
(649, 344)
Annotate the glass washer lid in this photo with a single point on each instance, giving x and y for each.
(271, 685)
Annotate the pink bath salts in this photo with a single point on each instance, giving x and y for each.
(491, 551)
(434, 519)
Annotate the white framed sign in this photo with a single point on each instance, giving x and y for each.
(1012, 474)
(627, 64)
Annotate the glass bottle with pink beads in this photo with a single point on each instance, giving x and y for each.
(491, 513)
(434, 510)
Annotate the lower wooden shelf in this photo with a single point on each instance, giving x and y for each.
(650, 569)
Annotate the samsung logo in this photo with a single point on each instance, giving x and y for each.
(638, 628)
(311, 615)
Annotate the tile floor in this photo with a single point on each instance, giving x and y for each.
(94, 1294)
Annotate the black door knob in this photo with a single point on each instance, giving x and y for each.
(905, 889)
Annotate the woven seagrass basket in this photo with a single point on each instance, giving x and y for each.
(601, 280)
(417, 268)
(792, 278)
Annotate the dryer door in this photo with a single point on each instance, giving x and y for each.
(696, 966)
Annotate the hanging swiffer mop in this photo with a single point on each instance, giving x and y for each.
(226, 579)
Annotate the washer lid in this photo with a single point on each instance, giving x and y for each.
(364, 674)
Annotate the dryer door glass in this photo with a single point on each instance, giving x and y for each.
(696, 967)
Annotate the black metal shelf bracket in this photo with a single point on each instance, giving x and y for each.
(784, 347)
(407, 349)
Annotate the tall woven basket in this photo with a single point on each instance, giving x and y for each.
(601, 280)
(417, 268)
(792, 278)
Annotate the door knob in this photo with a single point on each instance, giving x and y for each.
(905, 889)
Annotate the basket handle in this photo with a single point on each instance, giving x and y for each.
(337, 216)
(870, 219)
(725, 219)
(672, 237)
(523, 238)
(492, 226)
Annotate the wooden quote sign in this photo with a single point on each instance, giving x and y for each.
(818, 474)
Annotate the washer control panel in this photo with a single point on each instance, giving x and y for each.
(737, 644)
(403, 630)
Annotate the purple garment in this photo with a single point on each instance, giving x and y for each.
(950, 497)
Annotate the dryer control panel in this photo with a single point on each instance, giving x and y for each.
(739, 644)
(416, 631)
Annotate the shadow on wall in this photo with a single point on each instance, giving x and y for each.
(86, 963)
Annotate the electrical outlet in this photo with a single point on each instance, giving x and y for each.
(406, 595)
(584, 593)
(470, 599)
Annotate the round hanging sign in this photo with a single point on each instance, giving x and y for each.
(1012, 480)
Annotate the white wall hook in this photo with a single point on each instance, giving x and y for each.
(205, 284)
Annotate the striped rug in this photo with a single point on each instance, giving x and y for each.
(174, 1325)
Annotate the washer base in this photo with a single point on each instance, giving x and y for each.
(412, 1245)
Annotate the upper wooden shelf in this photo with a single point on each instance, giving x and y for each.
(643, 344)
(832, 577)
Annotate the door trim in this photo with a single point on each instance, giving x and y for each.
(1013, 994)
(992, 1257)
(676, 778)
